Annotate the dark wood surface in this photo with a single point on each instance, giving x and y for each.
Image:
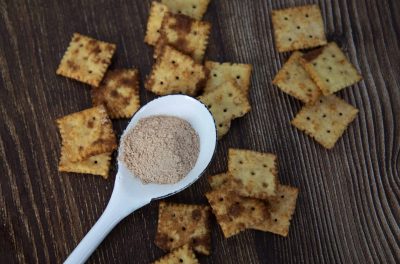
(349, 205)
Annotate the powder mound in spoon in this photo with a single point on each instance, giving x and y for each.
(160, 149)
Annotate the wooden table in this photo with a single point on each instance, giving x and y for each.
(348, 209)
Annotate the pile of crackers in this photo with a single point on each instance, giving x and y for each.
(247, 196)
(313, 77)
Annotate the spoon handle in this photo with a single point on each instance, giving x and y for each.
(115, 211)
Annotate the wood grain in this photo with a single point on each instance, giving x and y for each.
(349, 205)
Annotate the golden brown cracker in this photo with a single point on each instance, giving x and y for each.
(86, 133)
(281, 209)
(233, 212)
(96, 165)
(220, 73)
(255, 171)
(326, 120)
(299, 27)
(180, 224)
(184, 34)
(330, 69)
(118, 92)
(180, 255)
(218, 180)
(86, 59)
(175, 72)
(295, 81)
(157, 12)
(226, 103)
(192, 8)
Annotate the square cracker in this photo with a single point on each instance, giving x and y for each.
(330, 69)
(295, 81)
(157, 12)
(96, 165)
(192, 8)
(86, 59)
(183, 254)
(233, 212)
(255, 171)
(298, 28)
(326, 120)
(118, 92)
(185, 34)
(281, 209)
(175, 72)
(86, 133)
(180, 224)
(226, 103)
(224, 72)
(218, 180)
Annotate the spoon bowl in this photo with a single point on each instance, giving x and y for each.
(129, 193)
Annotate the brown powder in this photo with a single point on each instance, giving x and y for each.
(160, 149)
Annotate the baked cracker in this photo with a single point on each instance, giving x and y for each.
(298, 28)
(86, 59)
(281, 209)
(218, 180)
(255, 171)
(183, 254)
(233, 212)
(295, 81)
(175, 72)
(118, 92)
(86, 133)
(330, 69)
(226, 103)
(184, 34)
(96, 165)
(180, 224)
(326, 120)
(192, 8)
(157, 12)
(220, 73)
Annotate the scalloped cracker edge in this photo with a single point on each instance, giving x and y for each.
(183, 254)
(192, 8)
(157, 12)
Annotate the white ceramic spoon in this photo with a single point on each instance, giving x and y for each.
(129, 192)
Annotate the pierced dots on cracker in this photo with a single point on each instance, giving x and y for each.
(86, 133)
(256, 172)
(183, 254)
(157, 12)
(180, 224)
(192, 8)
(86, 59)
(118, 92)
(220, 73)
(330, 69)
(326, 120)
(96, 165)
(298, 28)
(295, 81)
(175, 72)
(185, 34)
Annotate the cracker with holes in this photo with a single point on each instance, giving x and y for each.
(96, 165)
(185, 34)
(183, 254)
(330, 68)
(175, 72)
(295, 81)
(86, 133)
(298, 28)
(157, 12)
(86, 59)
(180, 224)
(281, 209)
(256, 172)
(218, 180)
(326, 120)
(220, 73)
(235, 213)
(118, 92)
(192, 8)
(226, 103)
